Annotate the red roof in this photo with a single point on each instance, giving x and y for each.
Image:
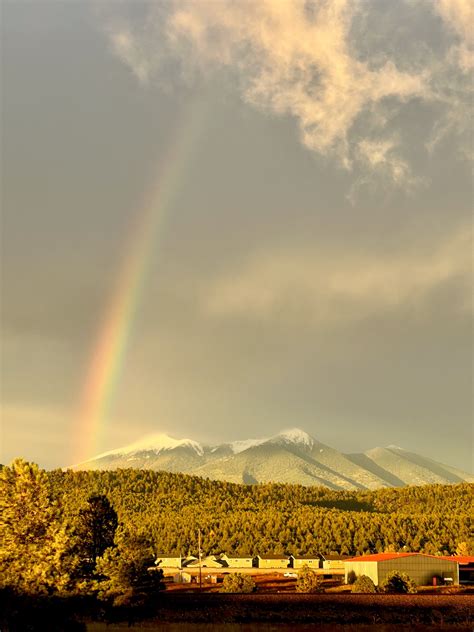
(463, 559)
(378, 557)
(381, 557)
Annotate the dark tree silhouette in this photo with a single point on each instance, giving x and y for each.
(95, 527)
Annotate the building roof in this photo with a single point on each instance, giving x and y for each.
(273, 557)
(306, 557)
(462, 559)
(382, 557)
(331, 558)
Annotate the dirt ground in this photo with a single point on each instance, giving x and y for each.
(345, 608)
(277, 583)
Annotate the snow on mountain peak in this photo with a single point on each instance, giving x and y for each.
(296, 435)
(156, 443)
(241, 446)
(292, 435)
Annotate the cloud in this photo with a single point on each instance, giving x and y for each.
(296, 59)
(458, 15)
(127, 47)
(308, 61)
(380, 154)
(330, 289)
(449, 83)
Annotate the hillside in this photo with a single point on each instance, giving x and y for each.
(292, 456)
(274, 518)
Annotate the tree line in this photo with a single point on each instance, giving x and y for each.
(275, 518)
(99, 532)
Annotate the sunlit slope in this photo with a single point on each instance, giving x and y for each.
(413, 469)
(292, 456)
(268, 463)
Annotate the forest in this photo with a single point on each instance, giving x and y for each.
(274, 518)
(80, 523)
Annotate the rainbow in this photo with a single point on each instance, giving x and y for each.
(106, 362)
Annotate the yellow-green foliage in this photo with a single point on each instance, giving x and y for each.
(400, 583)
(308, 581)
(37, 549)
(126, 572)
(42, 524)
(363, 584)
(238, 583)
(275, 518)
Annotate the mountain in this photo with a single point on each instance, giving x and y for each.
(292, 456)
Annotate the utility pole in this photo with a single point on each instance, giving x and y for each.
(200, 559)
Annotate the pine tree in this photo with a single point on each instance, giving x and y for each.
(95, 528)
(127, 575)
(463, 549)
(36, 554)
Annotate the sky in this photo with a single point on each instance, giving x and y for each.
(222, 219)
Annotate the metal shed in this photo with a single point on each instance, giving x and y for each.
(423, 569)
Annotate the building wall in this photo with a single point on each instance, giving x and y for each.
(420, 569)
(239, 562)
(334, 565)
(313, 563)
(273, 563)
(362, 568)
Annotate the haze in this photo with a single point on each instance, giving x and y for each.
(313, 265)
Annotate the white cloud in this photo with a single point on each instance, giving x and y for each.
(381, 154)
(458, 15)
(295, 61)
(329, 288)
(127, 47)
(452, 78)
(303, 59)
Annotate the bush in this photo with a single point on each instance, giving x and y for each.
(238, 583)
(351, 577)
(363, 584)
(308, 581)
(399, 583)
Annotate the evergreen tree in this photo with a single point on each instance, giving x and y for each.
(127, 572)
(463, 549)
(36, 554)
(95, 528)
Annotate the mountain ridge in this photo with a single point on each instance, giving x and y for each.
(291, 456)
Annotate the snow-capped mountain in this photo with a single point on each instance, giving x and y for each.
(155, 443)
(292, 456)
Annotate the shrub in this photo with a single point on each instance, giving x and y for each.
(308, 581)
(351, 577)
(399, 583)
(238, 583)
(363, 584)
